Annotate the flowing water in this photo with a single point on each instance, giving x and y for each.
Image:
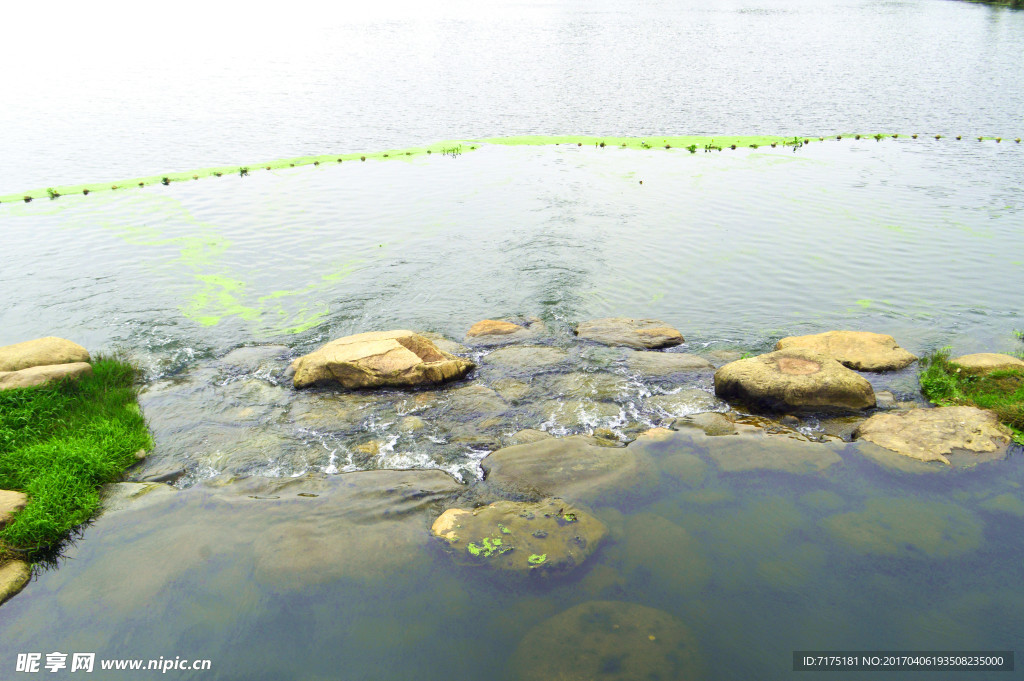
(213, 286)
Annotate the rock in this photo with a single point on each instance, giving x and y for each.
(931, 434)
(572, 468)
(610, 641)
(908, 528)
(548, 536)
(711, 422)
(633, 333)
(10, 503)
(1004, 503)
(445, 345)
(793, 379)
(14, 575)
(755, 449)
(686, 468)
(666, 363)
(500, 332)
(493, 327)
(526, 436)
(860, 350)
(474, 401)
(577, 414)
(117, 496)
(411, 424)
(683, 403)
(168, 474)
(597, 385)
(987, 362)
(43, 375)
(662, 555)
(511, 389)
(377, 359)
(884, 399)
(656, 434)
(527, 357)
(42, 351)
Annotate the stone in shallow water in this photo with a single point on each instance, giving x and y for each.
(520, 537)
(608, 641)
(663, 555)
(118, 496)
(526, 436)
(376, 359)
(641, 334)
(499, 332)
(445, 344)
(908, 528)
(987, 362)
(250, 358)
(41, 352)
(711, 422)
(1005, 503)
(526, 357)
(666, 363)
(860, 350)
(932, 434)
(793, 379)
(751, 447)
(43, 375)
(684, 402)
(572, 468)
(14, 575)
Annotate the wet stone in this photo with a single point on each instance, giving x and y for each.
(934, 434)
(549, 536)
(859, 350)
(14, 575)
(711, 423)
(684, 402)
(633, 333)
(526, 357)
(666, 363)
(526, 436)
(119, 496)
(251, 358)
(608, 641)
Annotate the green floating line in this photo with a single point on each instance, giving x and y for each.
(691, 143)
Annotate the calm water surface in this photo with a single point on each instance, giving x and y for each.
(917, 238)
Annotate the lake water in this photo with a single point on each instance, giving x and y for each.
(919, 238)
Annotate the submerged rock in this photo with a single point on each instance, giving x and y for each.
(860, 350)
(987, 362)
(546, 536)
(14, 575)
(573, 468)
(43, 375)
(684, 402)
(632, 333)
(444, 344)
(794, 379)
(932, 434)
(118, 496)
(608, 641)
(41, 351)
(526, 436)
(10, 503)
(527, 357)
(375, 359)
(908, 527)
(752, 448)
(250, 358)
(666, 363)
(710, 422)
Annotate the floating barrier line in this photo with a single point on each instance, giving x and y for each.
(692, 144)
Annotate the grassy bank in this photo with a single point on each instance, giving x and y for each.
(945, 384)
(59, 443)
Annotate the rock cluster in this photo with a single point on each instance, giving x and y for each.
(41, 362)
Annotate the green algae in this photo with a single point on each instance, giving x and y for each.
(537, 559)
(687, 144)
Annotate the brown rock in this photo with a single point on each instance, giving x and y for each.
(860, 350)
(376, 359)
(987, 362)
(931, 434)
(493, 327)
(14, 575)
(49, 350)
(641, 334)
(793, 379)
(10, 503)
(664, 363)
(43, 375)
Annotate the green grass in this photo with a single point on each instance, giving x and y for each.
(59, 443)
(945, 384)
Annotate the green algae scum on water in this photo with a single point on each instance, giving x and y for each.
(453, 148)
(59, 443)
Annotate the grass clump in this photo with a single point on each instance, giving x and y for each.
(59, 443)
(945, 384)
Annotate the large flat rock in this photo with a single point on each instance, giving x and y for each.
(666, 363)
(933, 434)
(14, 575)
(573, 468)
(41, 351)
(397, 358)
(641, 334)
(860, 350)
(793, 379)
(43, 375)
